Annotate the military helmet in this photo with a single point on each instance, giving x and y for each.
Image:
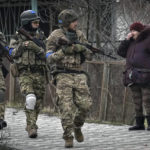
(27, 16)
(66, 17)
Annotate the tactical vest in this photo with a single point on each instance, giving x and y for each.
(72, 61)
(29, 58)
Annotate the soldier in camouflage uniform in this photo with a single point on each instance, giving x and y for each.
(31, 67)
(74, 99)
(2, 87)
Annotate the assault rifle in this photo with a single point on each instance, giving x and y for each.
(62, 41)
(35, 40)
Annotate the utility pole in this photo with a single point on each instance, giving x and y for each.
(34, 5)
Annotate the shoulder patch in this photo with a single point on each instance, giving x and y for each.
(57, 33)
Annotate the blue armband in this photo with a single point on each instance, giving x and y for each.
(7, 48)
(48, 54)
(10, 51)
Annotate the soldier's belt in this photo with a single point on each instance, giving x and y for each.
(40, 69)
(70, 66)
(64, 70)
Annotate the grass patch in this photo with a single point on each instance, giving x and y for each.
(15, 105)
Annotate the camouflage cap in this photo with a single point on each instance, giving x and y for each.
(66, 17)
(27, 16)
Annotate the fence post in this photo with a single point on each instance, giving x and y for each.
(104, 92)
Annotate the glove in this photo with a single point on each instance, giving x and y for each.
(56, 56)
(79, 48)
(75, 48)
(32, 46)
(68, 50)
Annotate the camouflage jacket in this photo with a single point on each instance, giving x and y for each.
(27, 56)
(60, 59)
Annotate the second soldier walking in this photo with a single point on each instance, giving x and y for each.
(73, 95)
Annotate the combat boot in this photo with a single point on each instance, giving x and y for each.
(148, 122)
(32, 132)
(3, 124)
(69, 142)
(139, 124)
(78, 134)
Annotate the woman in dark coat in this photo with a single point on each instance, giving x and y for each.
(136, 49)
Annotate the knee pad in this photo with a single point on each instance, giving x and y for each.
(30, 101)
(2, 96)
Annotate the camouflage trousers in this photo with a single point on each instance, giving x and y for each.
(32, 83)
(141, 97)
(2, 88)
(74, 100)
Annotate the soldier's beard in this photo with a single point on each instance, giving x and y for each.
(71, 30)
